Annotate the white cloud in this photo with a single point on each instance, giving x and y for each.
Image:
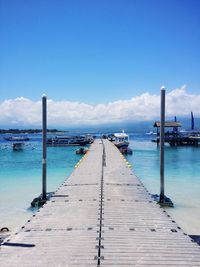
(22, 111)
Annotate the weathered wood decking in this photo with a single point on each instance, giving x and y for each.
(101, 216)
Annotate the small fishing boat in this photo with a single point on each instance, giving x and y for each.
(17, 146)
(17, 138)
(151, 133)
(69, 141)
(81, 151)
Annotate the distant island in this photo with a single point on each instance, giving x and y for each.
(28, 131)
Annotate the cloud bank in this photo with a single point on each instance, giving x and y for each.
(25, 112)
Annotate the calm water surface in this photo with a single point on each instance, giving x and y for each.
(20, 177)
(182, 179)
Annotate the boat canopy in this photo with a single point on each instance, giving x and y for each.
(121, 135)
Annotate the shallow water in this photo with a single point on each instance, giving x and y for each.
(20, 177)
(182, 179)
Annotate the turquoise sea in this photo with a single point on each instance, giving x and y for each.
(182, 179)
(20, 177)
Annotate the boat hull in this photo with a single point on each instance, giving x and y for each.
(16, 139)
(122, 145)
(66, 143)
(53, 144)
(18, 146)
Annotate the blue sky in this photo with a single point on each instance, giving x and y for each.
(98, 51)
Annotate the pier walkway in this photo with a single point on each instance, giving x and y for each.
(101, 216)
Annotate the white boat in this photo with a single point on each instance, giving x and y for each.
(151, 133)
(121, 140)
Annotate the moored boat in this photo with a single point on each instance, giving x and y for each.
(17, 146)
(150, 133)
(81, 151)
(69, 141)
(17, 138)
(121, 140)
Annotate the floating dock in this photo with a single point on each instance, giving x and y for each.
(102, 215)
(178, 140)
(176, 137)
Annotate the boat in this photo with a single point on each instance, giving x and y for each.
(81, 151)
(69, 140)
(190, 133)
(126, 150)
(121, 140)
(17, 138)
(150, 133)
(17, 146)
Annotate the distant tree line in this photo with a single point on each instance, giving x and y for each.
(29, 131)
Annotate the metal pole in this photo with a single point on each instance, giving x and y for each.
(162, 140)
(44, 148)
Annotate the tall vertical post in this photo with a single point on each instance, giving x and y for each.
(162, 140)
(44, 147)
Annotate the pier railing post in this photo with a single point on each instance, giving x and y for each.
(163, 200)
(162, 140)
(44, 139)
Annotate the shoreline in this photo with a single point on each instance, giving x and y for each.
(29, 131)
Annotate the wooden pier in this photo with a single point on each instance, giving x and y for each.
(176, 137)
(101, 216)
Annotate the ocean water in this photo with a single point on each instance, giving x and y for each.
(182, 178)
(20, 177)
